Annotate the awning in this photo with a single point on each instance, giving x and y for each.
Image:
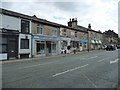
(96, 41)
(83, 40)
(92, 41)
(99, 41)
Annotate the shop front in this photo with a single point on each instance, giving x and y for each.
(75, 44)
(65, 45)
(8, 44)
(99, 44)
(92, 44)
(45, 46)
(83, 44)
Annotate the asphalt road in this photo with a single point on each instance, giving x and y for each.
(97, 69)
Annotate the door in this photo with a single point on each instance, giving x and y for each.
(12, 49)
(48, 48)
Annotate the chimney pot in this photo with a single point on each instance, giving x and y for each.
(72, 19)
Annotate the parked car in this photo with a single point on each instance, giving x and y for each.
(104, 47)
(118, 46)
(110, 47)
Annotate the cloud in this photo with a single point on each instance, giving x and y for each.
(102, 14)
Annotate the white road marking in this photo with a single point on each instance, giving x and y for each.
(89, 80)
(89, 58)
(116, 60)
(93, 57)
(37, 65)
(103, 59)
(69, 70)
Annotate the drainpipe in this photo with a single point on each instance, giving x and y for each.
(88, 41)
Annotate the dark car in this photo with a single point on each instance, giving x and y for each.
(110, 47)
(118, 46)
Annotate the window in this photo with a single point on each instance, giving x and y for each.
(75, 34)
(85, 45)
(65, 32)
(40, 47)
(53, 47)
(40, 28)
(54, 31)
(24, 26)
(24, 43)
(3, 45)
(72, 34)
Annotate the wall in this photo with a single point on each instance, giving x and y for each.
(34, 28)
(47, 30)
(23, 51)
(9, 22)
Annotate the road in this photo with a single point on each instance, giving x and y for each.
(97, 69)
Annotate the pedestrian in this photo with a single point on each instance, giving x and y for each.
(74, 50)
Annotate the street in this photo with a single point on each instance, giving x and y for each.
(97, 69)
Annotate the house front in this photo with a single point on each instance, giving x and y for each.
(45, 39)
(15, 35)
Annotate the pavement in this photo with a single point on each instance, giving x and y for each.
(43, 57)
(96, 69)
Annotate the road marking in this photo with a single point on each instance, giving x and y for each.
(69, 70)
(116, 60)
(103, 59)
(37, 65)
(93, 57)
(89, 80)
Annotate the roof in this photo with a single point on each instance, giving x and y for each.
(36, 19)
(88, 29)
(33, 18)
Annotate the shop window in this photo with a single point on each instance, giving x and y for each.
(85, 45)
(24, 26)
(3, 45)
(53, 47)
(81, 44)
(64, 44)
(40, 47)
(40, 29)
(24, 43)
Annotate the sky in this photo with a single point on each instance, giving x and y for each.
(101, 14)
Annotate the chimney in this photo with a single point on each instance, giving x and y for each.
(72, 19)
(89, 26)
(70, 23)
(74, 22)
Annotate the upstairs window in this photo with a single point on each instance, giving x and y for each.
(75, 34)
(54, 31)
(65, 32)
(25, 26)
(40, 29)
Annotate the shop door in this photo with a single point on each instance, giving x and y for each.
(12, 49)
(48, 48)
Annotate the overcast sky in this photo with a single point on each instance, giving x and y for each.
(101, 14)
